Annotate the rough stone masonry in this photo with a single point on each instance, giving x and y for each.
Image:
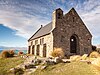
(65, 31)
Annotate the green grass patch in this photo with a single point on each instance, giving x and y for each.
(7, 63)
(73, 68)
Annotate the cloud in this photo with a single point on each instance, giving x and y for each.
(90, 14)
(21, 19)
(26, 16)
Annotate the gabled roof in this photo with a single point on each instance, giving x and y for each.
(48, 28)
(42, 31)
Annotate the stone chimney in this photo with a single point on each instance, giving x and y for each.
(56, 16)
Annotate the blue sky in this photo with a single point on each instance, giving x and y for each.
(19, 19)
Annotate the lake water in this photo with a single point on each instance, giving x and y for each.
(16, 51)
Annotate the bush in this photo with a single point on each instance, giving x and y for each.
(6, 54)
(94, 54)
(94, 48)
(11, 53)
(57, 52)
(20, 53)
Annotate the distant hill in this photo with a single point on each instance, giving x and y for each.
(13, 48)
(98, 46)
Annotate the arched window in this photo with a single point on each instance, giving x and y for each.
(59, 15)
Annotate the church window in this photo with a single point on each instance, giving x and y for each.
(59, 16)
(29, 49)
(41, 41)
(73, 19)
(31, 42)
(36, 42)
(33, 49)
(37, 49)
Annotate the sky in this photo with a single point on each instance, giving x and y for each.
(20, 19)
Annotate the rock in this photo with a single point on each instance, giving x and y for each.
(36, 61)
(49, 61)
(65, 60)
(18, 71)
(12, 70)
(88, 62)
(57, 60)
(43, 67)
(28, 66)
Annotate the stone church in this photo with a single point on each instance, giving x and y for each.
(65, 31)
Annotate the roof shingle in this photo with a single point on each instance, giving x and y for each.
(42, 31)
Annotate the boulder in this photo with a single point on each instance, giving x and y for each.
(36, 61)
(49, 61)
(28, 66)
(43, 67)
(65, 60)
(57, 60)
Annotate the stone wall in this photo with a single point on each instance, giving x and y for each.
(64, 26)
(69, 25)
(48, 40)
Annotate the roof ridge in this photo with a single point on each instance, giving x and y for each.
(34, 33)
(44, 30)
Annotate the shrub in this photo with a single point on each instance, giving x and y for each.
(11, 53)
(7, 53)
(20, 53)
(94, 48)
(4, 54)
(94, 54)
(57, 52)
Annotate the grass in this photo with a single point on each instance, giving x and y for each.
(73, 68)
(7, 63)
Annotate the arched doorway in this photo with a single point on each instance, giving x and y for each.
(73, 44)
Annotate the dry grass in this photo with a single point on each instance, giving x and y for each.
(7, 53)
(7, 63)
(57, 52)
(73, 68)
(75, 58)
(96, 62)
(94, 54)
(84, 57)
